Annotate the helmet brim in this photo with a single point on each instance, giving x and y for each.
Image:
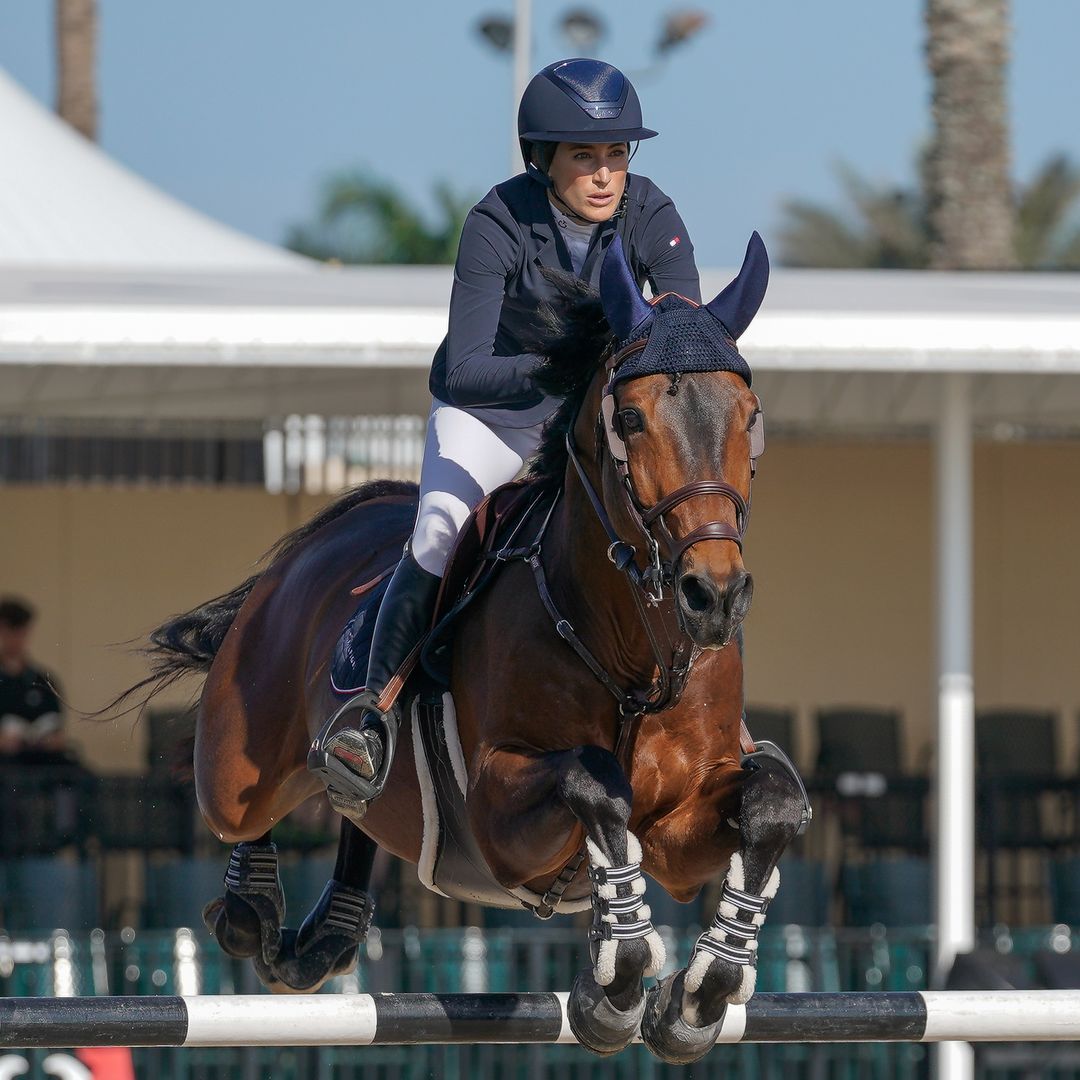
(587, 137)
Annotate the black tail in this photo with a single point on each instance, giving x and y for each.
(187, 644)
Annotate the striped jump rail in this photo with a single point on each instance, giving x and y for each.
(415, 1019)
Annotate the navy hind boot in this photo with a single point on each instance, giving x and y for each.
(354, 749)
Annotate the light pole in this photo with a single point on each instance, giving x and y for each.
(513, 36)
(522, 73)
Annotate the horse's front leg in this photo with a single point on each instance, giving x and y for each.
(540, 796)
(685, 1011)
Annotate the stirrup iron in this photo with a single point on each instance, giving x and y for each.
(343, 785)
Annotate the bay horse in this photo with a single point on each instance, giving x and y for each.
(597, 681)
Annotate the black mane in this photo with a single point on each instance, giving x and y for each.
(574, 338)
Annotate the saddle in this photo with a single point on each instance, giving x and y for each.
(450, 861)
(495, 525)
(473, 563)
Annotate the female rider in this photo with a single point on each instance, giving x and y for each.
(577, 121)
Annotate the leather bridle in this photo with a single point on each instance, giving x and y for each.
(649, 521)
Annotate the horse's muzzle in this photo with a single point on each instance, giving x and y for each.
(710, 612)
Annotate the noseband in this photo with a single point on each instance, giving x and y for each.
(650, 520)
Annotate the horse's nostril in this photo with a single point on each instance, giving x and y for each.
(738, 594)
(696, 594)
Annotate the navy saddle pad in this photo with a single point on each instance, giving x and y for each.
(348, 668)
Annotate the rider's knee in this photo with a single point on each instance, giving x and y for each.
(433, 537)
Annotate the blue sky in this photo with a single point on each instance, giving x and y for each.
(242, 108)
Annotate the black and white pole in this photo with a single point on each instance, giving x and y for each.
(417, 1019)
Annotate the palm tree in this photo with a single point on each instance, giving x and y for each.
(889, 226)
(969, 199)
(76, 50)
(367, 220)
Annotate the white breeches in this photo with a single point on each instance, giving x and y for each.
(464, 460)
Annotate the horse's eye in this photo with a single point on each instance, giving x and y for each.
(630, 420)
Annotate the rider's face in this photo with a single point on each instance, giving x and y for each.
(590, 178)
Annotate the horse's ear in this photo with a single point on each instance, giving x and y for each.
(626, 309)
(737, 305)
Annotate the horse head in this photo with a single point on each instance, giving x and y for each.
(682, 431)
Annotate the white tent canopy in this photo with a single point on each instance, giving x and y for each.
(63, 201)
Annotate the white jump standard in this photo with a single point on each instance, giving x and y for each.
(416, 1019)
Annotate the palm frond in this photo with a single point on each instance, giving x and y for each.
(888, 226)
(1042, 207)
(365, 219)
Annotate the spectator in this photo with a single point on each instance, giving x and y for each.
(31, 716)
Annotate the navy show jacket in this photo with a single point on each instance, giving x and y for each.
(482, 365)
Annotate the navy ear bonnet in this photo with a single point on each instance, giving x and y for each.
(682, 337)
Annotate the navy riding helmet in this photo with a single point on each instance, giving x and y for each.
(578, 100)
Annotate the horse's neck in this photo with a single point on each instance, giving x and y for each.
(591, 592)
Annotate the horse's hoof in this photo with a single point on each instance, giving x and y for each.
(326, 944)
(667, 1034)
(246, 921)
(235, 925)
(290, 973)
(595, 1022)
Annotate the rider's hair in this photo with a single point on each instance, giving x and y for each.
(542, 153)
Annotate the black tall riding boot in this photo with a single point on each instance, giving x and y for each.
(353, 751)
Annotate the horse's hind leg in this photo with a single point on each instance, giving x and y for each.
(329, 938)
(685, 1010)
(246, 921)
(607, 1000)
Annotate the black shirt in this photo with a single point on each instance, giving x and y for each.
(29, 703)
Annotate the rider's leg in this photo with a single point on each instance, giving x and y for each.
(464, 460)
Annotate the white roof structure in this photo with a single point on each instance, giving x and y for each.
(63, 201)
(830, 349)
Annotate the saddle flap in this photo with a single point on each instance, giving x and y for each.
(348, 665)
(490, 523)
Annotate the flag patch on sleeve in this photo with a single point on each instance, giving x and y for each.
(675, 241)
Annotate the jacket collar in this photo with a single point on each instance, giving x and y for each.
(552, 252)
(549, 252)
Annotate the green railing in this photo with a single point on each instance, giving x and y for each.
(472, 961)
